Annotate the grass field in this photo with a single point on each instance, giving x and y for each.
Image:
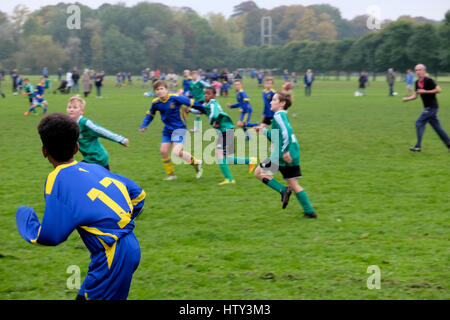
(378, 204)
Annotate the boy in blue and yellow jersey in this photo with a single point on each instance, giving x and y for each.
(38, 98)
(243, 102)
(170, 106)
(285, 156)
(267, 96)
(223, 123)
(99, 204)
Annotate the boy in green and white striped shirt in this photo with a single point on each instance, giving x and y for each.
(285, 157)
(224, 126)
(90, 146)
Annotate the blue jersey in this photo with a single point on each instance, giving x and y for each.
(186, 85)
(39, 91)
(267, 96)
(172, 114)
(101, 205)
(243, 102)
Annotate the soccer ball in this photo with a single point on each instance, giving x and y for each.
(358, 94)
(395, 93)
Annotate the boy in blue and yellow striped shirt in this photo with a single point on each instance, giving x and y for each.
(99, 204)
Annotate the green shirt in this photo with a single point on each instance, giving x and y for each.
(29, 89)
(283, 140)
(217, 117)
(90, 146)
(197, 90)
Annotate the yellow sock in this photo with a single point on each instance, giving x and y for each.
(168, 166)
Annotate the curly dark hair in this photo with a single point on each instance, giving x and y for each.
(59, 135)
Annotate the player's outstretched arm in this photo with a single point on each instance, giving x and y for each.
(27, 223)
(413, 97)
(57, 223)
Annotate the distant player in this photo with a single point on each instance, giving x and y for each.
(99, 204)
(28, 91)
(38, 98)
(223, 123)
(243, 103)
(196, 90)
(267, 96)
(19, 84)
(294, 79)
(170, 107)
(224, 88)
(119, 79)
(90, 132)
(286, 75)
(285, 157)
(186, 82)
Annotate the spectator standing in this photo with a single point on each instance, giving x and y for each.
(390, 78)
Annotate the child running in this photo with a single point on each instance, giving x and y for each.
(286, 156)
(172, 115)
(224, 126)
(28, 91)
(267, 96)
(243, 102)
(90, 146)
(38, 98)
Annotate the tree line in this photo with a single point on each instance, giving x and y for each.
(119, 38)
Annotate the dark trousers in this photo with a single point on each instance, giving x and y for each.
(429, 115)
(308, 89)
(391, 89)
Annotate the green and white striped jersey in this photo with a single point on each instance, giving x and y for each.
(283, 140)
(90, 146)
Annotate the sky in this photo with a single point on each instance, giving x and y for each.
(388, 9)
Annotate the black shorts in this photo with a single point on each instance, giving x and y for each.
(267, 120)
(225, 142)
(288, 172)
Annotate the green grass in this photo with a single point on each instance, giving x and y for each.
(378, 204)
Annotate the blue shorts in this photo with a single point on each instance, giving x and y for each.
(39, 100)
(245, 116)
(112, 282)
(173, 136)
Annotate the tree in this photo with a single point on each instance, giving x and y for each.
(393, 52)
(444, 36)
(31, 27)
(423, 47)
(228, 29)
(97, 51)
(121, 53)
(74, 51)
(312, 27)
(38, 51)
(243, 7)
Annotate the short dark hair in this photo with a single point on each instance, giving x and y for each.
(211, 89)
(59, 134)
